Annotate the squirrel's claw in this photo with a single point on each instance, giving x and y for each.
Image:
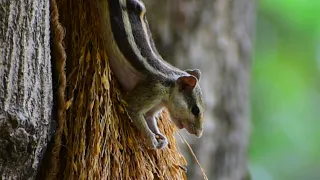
(162, 141)
(158, 141)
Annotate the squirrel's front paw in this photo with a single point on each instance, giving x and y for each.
(162, 141)
(156, 141)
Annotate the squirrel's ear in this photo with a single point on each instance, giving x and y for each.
(194, 72)
(186, 82)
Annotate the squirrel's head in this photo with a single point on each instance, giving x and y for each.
(185, 103)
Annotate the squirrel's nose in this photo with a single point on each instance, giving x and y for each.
(198, 133)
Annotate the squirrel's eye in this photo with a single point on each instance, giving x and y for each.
(135, 5)
(195, 110)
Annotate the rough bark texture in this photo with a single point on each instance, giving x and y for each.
(214, 36)
(25, 87)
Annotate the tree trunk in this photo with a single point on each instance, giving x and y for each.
(25, 87)
(214, 36)
(96, 138)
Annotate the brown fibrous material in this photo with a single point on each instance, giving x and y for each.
(97, 139)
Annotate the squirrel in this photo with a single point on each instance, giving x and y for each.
(149, 83)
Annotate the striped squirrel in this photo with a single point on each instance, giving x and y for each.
(150, 83)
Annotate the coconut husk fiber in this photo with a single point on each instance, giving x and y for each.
(97, 140)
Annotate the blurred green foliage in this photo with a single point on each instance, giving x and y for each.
(285, 141)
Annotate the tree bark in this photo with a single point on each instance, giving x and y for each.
(216, 37)
(25, 87)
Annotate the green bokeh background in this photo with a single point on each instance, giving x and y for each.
(285, 141)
